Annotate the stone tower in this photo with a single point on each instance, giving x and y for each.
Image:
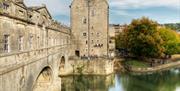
(89, 23)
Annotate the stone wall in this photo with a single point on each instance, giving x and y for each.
(86, 67)
(29, 43)
(89, 23)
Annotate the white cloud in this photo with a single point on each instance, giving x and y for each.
(134, 4)
(117, 7)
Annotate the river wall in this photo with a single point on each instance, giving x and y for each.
(88, 67)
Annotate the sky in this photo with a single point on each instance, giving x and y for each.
(121, 11)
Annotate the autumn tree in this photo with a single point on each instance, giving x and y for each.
(121, 39)
(171, 40)
(145, 38)
(142, 38)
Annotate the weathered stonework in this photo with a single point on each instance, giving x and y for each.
(99, 66)
(89, 23)
(112, 40)
(35, 49)
(30, 43)
(117, 28)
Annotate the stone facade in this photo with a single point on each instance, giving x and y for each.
(117, 28)
(98, 66)
(33, 47)
(112, 41)
(29, 28)
(89, 23)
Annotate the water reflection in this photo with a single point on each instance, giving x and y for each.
(87, 83)
(160, 81)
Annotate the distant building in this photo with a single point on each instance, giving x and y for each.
(117, 28)
(111, 40)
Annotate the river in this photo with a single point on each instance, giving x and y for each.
(168, 80)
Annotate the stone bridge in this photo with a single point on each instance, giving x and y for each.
(35, 49)
(32, 70)
(32, 54)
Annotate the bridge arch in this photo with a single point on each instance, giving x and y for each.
(43, 80)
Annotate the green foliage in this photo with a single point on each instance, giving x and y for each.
(144, 38)
(80, 69)
(171, 40)
(121, 41)
(136, 63)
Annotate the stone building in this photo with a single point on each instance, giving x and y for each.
(117, 28)
(89, 24)
(28, 28)
(114, 30)
(112, 40)
(34, 48)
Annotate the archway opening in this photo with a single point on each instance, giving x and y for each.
(62, 64)
(44, 80)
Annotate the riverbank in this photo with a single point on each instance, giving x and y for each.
(175, 62)
(152, 69)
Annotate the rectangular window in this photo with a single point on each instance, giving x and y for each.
(86, 42)
(84, 34)
(93, 13)
(84, 20)
(6, 43)
(20, 41)
(31, 41)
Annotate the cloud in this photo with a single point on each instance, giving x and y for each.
(121, 11)
(136, 4)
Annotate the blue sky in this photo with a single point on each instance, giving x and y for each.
(121, 11)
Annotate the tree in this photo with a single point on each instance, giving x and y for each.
(144, 39)
(121, 39)
(171, 40)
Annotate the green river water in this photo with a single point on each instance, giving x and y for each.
(168, 80)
